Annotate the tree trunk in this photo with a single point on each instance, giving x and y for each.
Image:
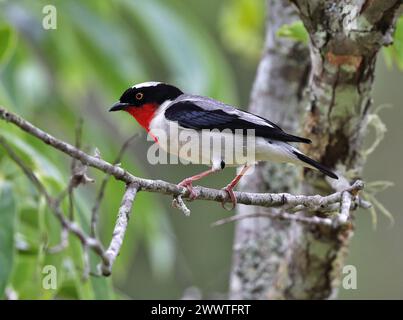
(274, 259)
(261, 244)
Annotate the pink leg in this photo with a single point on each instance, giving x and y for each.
(230, 187)
(188, 182)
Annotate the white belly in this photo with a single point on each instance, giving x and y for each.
(212, 147)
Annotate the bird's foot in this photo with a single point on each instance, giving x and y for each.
(230, 190)
(187, 183)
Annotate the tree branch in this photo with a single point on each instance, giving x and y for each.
(120, 229)
(87, 242)
(54, 203)
(279, 216)
(285, 200)
(277, 92)
(101, 192)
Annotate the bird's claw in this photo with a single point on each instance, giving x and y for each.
(231, 195)
(187, 183)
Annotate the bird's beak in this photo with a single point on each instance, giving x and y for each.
(118, 106)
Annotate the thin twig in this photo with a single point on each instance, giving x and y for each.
(63, 244)
(27, 171)
(78, 177)
(178, 203)
(78, 137)
(345, 207)
(101, 192)
(86, 263)
(73, 168)
(120, 229)
(54, 204)
(64, 236)
(108, 257)
(280, 216)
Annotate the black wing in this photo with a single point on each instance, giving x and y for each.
(190, 115)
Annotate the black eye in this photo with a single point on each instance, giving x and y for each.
(139, 96)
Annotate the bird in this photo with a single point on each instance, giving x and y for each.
(158, 107)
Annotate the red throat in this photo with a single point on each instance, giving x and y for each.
(143, 114)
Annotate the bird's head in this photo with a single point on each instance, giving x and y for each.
(144, 99)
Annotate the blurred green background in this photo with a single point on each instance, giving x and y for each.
(55, 77)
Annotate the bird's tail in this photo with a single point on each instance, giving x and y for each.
(315, 164)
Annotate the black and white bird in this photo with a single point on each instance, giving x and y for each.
(160, 107)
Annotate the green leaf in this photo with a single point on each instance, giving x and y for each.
(394, 53)
(25, 278)
(7, 43)
(7, 226)
(295, 31)
(98, 39)
(241, 27)
(43, 167)
(99, 288)
(398, 43)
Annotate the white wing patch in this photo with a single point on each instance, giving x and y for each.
(252, 118)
